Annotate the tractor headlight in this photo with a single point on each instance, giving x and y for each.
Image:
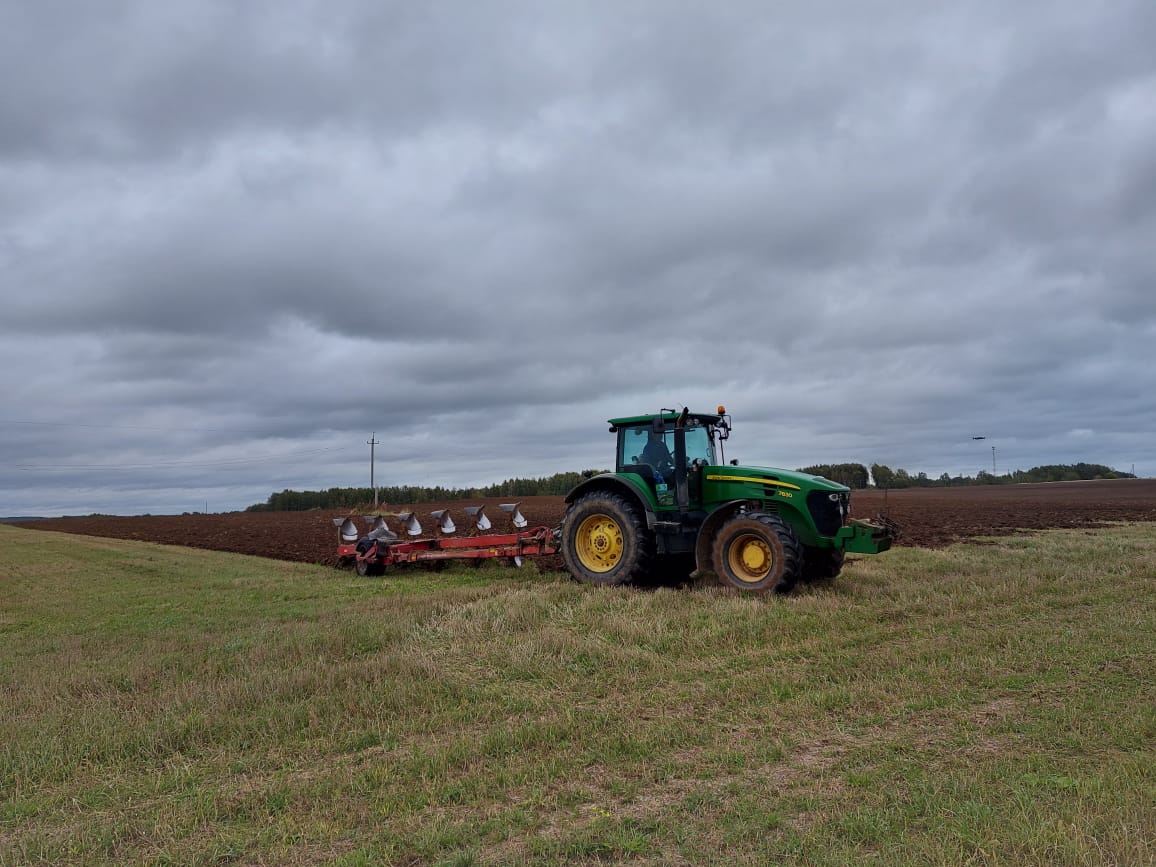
(842, 504)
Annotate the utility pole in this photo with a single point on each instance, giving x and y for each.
(993, 460)
(372, 442)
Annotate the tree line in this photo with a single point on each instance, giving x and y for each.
(348, 498)
(856, 476)
(882, 476)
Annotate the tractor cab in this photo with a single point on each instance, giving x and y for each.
(668, 452)
(634, 442)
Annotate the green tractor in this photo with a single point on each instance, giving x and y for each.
(672, 493)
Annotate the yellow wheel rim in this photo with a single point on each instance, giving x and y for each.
(750, 559)
(598, 543)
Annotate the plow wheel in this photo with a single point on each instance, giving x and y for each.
(604, 541)
(365, 569)
(757, 552)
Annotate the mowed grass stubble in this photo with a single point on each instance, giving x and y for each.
(980, 704)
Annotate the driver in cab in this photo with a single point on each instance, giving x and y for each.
(656, 453)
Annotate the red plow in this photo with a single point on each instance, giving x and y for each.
(382, 546)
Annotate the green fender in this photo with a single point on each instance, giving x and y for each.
(624, 484)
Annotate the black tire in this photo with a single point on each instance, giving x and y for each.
(367, 569)
(605, 540)
(757, 552)
(822, 564)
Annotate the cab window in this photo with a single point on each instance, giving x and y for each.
(633, 445)
(699, 445)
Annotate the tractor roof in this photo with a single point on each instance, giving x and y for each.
(670, 417)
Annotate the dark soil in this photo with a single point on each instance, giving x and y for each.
(928, 517)
(937, 517)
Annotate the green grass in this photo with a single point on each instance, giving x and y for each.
(985, 704)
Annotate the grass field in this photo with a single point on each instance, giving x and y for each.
(983, 704)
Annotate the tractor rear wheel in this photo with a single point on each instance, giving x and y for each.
(605, 540)
(757, 552)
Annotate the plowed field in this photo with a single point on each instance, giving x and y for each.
(928, 517)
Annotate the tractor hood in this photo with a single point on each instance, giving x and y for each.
(819, 506)
(773, 477)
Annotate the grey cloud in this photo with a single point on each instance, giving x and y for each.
(269, 229)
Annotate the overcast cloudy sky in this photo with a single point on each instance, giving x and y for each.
(238, 237)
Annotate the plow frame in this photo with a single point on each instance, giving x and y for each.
(535, 542)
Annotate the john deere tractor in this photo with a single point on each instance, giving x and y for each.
(672, 493)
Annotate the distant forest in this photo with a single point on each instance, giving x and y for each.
(344, 498)
(882, 476)
(851, 475)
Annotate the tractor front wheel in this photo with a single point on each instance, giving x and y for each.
(605, 540)
(822, 564)
(757, 552)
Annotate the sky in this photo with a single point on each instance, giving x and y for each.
(239, 239)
